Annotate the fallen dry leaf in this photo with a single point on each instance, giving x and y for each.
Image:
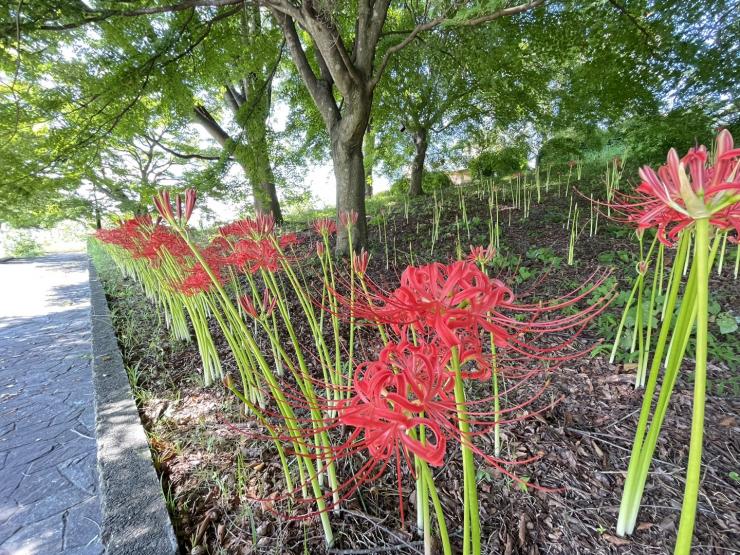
(616, 540)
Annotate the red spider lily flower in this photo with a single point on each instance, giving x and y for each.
(162, 238)
(359, 262)
(396, 394)
(245, 301)
(325, 226)
(444, 299)
(128, 234)
(288, 240)
(255, 228)
(163, 206)
(481, 255)
(190, 198)
(252, 256)
(686, 189)
(268, 302)
(320, 249)
(451, 304)
(348, 219)
(264, 224)
(198, 280)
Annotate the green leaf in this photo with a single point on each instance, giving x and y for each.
(727, 323)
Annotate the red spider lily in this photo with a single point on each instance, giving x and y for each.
(325, 226)
(198, 280)
(162, 238)
(686, 189)
(451, 304)
(255, 228)
(572, 163)
(128, 234)
(442, 300)
(360, 261)
(190, 198)
(482, 255)
(320, 249)
(163, 206)
(348, 219)
(288, 240)
(252, 256)
(401, 407)
(268, 304)
(245, 301)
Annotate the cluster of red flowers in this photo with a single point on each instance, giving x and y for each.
(128, 234)
(439, 313)
(247, 245)
(686, 189)
(408, 386)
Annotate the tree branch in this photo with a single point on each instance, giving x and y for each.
(184, 156)
(102, 15)
(320, 92)
(204, 117)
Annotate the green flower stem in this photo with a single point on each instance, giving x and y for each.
(642, 451)
(471, 517)
(308, 390)
(693, 471)
(623, 320)
(630, 499)
(438, 510)
(496, 401)
(293, 426)
(273, 434)
(645, 352)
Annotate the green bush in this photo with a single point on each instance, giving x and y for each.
(431, 181)
(649, 139)
(500, 163)
(22, 245)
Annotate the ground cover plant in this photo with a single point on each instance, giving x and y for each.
(421, 401)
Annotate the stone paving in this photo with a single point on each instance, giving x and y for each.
(48, 479)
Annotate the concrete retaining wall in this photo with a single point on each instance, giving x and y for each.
(135, 517)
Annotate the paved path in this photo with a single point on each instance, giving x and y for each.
(48, 479)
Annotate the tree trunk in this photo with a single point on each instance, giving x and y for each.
(263, 184)
(417, 166)
(349, 172)
(369, 154)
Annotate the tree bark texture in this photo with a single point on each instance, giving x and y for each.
(417, 165)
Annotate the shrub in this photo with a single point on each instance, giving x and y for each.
(22, 245)
(500, 163)
(431, 181)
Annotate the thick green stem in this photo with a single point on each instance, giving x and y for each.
(471, 517)
(693, 471)
(630, 498)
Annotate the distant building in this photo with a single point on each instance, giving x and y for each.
(460, 177)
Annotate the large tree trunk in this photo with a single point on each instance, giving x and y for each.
(369, 154)
(263, 183)
(349, 172)
(417, 166)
